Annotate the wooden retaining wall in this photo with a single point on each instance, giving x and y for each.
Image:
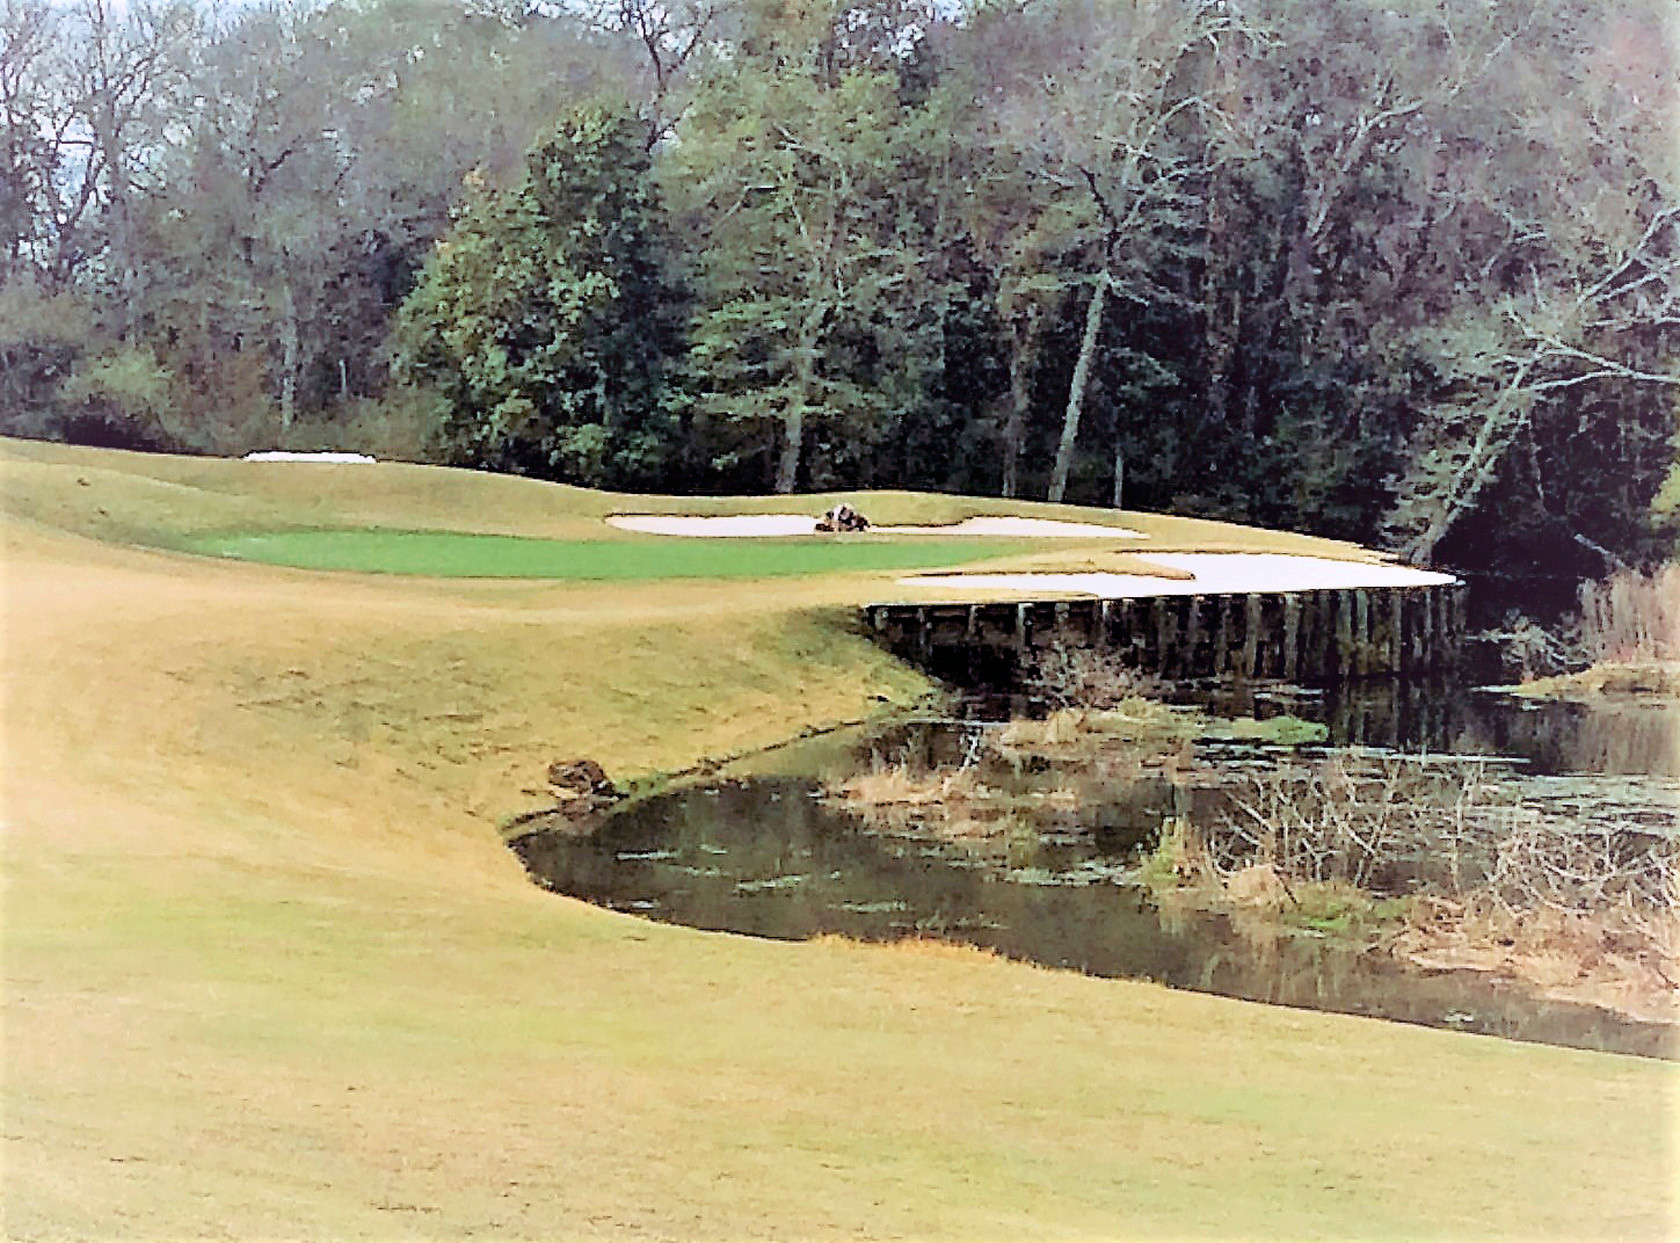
(1307, 636)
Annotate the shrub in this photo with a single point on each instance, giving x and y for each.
(1082, 677)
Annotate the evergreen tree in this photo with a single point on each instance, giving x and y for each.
(544, 319)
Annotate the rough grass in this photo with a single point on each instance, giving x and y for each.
(449, 554)
(269, 973)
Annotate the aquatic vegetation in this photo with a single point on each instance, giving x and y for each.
(1083, 677)
(1279, 731)
(1442, 860)
(901, 785)
(1622, 957)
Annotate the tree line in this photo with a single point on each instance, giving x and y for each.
(1406, 271)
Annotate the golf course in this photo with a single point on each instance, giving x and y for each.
(271, 972)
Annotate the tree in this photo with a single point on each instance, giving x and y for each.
(545, 319)
(670, 35)
(29, 154)
(790, 161)
(1575, 320)
(1107, 108)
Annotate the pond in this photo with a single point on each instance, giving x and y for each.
(1058, 883)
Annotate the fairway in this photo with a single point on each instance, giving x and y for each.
(452, 554)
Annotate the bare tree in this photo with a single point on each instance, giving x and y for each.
(670, 35)
(121, 71)
(1112, 108)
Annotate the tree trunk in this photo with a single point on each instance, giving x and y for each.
(1507, 417)
(787, 470)
(1119, 472)
(1024, 349)
(805, 388)
(1076, 390)
(288, 355)
(1222, 307)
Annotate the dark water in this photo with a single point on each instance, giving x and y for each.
(769, 857)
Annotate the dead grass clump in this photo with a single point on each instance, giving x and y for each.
(1631, 617)
(919, 946)
(1651, 677)
(1622, 957)
(900, 785)
(1263, 902)
(1258, 884)
(1063, 728)
(1146, 722)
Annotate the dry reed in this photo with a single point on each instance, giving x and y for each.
(1632, 617)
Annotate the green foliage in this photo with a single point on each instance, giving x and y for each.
(1170, 863)
(545, 318)
(1390, 271)
(1665, 505)
(399, 426)
(813, 313)
(42, 337)
(129, 381)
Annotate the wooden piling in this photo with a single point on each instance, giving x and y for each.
(1396, 639)
(1343, 604)
(1309, 636)
(1251, 637)
(1291, 636)
(1192, 636)
(1166, 635)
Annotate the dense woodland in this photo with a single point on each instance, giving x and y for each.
(1401, 270)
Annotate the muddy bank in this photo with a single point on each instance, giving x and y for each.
(1611, 681)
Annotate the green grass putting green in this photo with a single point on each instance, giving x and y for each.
(448, 554)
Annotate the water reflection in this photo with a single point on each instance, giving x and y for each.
(1613, 736)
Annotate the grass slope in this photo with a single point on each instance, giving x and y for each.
(269, 972)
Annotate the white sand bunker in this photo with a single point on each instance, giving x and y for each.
(1021, 528)
(741, 525)
(282, 455)
(737, 526)
(1216, 573)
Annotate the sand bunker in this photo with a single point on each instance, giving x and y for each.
(1215, 573)
(737, 526)
(742, 525)
(1021, 528)
(282, 455)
